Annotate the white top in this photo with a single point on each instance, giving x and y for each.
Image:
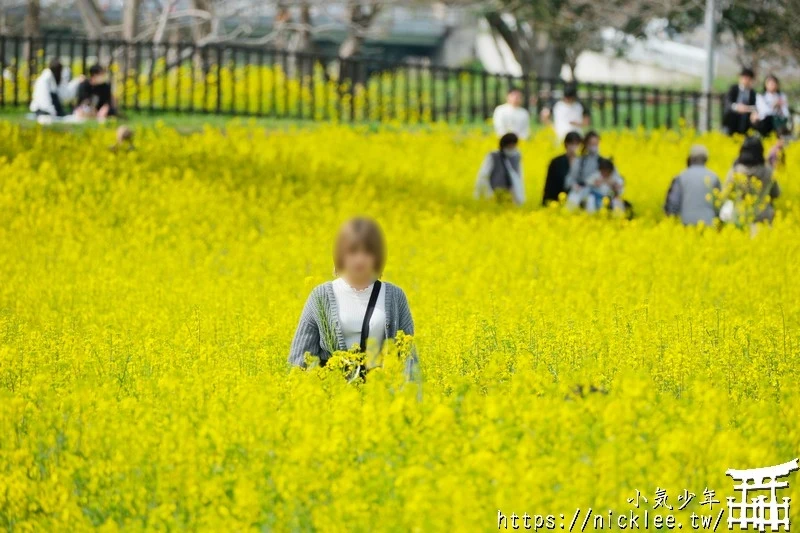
(769, 104)
(41, 100)
(483, 186)
(567, 118)
(510, 119)
(352, 305)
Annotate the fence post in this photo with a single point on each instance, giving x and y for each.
(590, 104)
(434, 111)
(151, 70)
(615, 104)
(31, 54)
(137, 64)
(246, 73)
(643, 104)
(164, 75)
(285, 67)
(2, 70)
(232, 107)
(420, 77)
(484, 90)
(312, 67)
(669, 109)
(379, 99)
(219, 79)
(355, 79)
(497, 99)
(447, 103)
(16, 71)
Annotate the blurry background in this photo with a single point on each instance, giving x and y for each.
(620, 41)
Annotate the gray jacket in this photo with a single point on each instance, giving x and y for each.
(320, 332)
(691, 196)
(582, 169)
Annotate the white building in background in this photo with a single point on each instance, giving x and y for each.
(655, 60)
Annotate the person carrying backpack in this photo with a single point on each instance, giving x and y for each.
(500, 175)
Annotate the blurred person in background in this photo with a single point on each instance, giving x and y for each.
(751, 177)
(567, 115)
(500, 175)
(693, 192)
(124, 139)
(52, 90)
(512, 117)
(556, 182)
(772, 108)
(357, 306)
(94, 95)
(777, 154)
(740, 104)
(582, 169)
(605, 187)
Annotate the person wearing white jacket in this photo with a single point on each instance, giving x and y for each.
(52, 90)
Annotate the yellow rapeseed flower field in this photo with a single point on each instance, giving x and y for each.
(148, 298)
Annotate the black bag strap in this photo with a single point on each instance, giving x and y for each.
(506, 172)
(373, 299)
(581, 168)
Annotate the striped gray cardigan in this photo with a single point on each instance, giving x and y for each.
(320, 332)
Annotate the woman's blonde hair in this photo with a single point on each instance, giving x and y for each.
(360, 233)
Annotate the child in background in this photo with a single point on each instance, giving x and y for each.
(124, 139)
(605, 183)
(777, 155)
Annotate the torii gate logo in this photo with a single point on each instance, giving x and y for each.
(757, 511)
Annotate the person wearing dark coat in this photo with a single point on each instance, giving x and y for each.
(740, 104)
(556, 182)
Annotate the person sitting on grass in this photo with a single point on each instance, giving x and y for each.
(605, 187)
(556, 182)
(740, 104)
(500, 174)
(693, 192)
(94, 95)
(583, 168)
(772, 108)
(752, 177)
(52, 90)
(777, 154)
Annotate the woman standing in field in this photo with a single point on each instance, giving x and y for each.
(752, 177)
(357, 306)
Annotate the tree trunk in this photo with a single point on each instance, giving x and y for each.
(130, 19)
(32, 24)
(31, 28)
(304, 42)
(536, 53)
(202, 29)
(551, 59)
(301, 42)
(92, 18)
(360, 20)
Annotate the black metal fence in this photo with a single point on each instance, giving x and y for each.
(256, 81)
